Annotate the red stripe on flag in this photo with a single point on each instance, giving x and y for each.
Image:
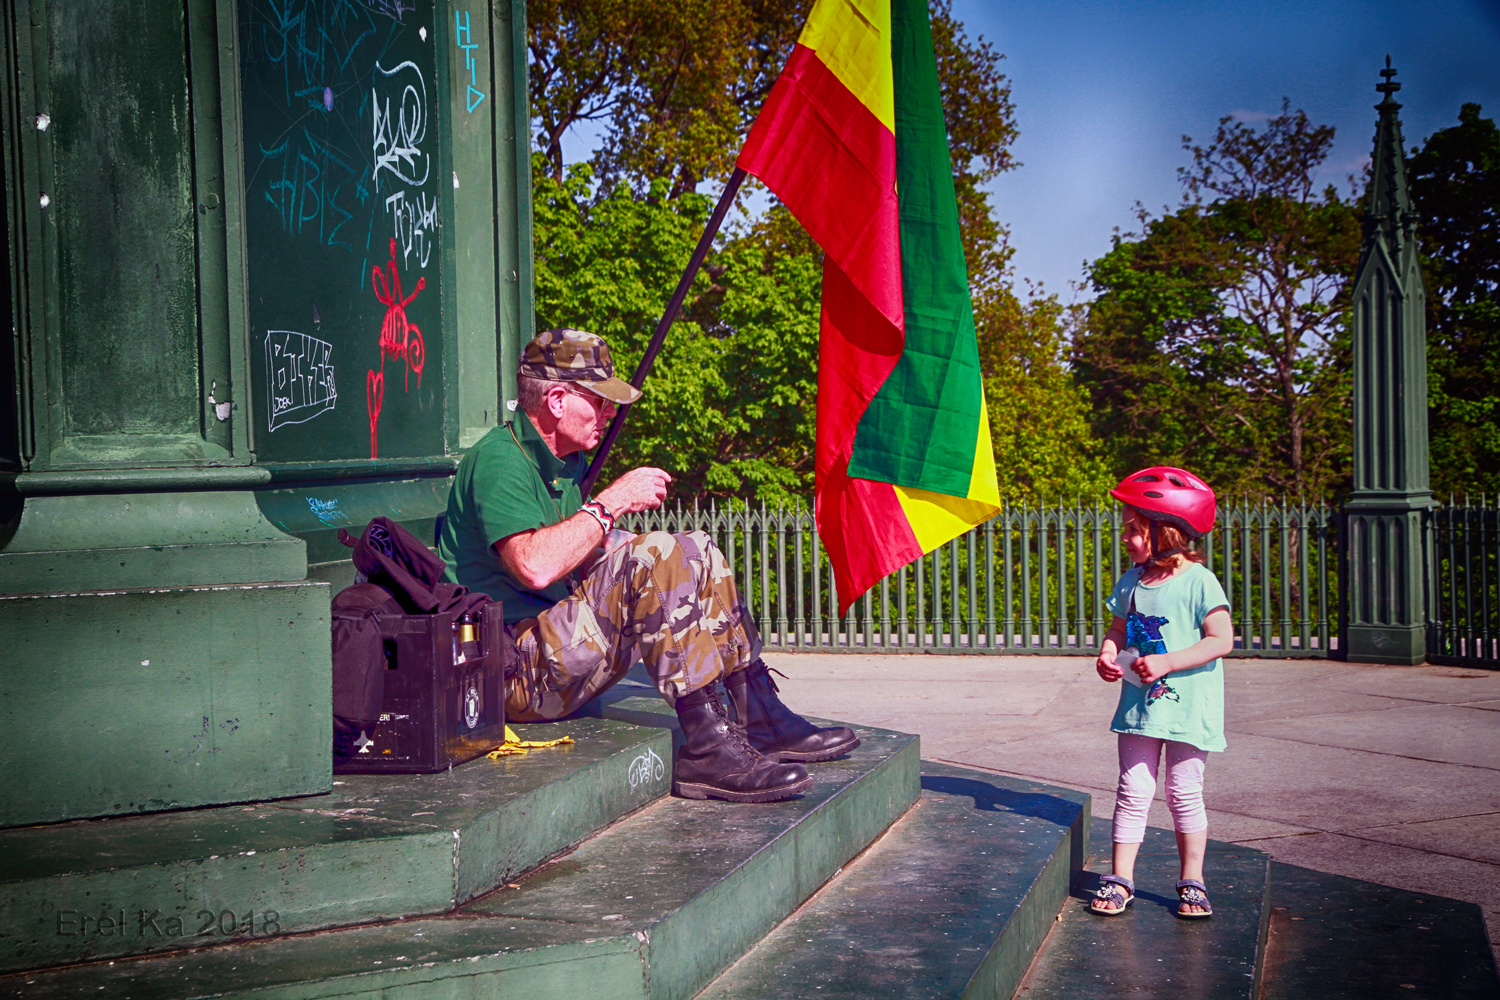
(864, 529)
(833, 163)
(857, 348)
(860, 522)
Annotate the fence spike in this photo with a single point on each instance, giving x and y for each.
(1245, 515)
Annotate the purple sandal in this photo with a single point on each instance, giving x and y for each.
(1193, 893)
(1113, 889)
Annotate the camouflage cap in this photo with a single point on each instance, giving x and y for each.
(568, 355)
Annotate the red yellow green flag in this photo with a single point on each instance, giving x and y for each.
(853, 141)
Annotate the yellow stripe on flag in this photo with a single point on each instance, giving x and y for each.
(936, 518)
(983, 485)
(853, 39)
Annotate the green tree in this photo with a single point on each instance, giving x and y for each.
(1455, 184)
(1039, 415)
(731, 400)
(729, 406)
(674, 84)
(1219, 336)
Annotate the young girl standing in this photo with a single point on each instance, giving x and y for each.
(1171, 627)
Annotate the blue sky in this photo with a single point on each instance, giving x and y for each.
(1104, 91)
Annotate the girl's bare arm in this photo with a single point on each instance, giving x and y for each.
(1217, 641)
(1113, 639)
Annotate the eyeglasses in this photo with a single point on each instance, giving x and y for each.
(596, 402)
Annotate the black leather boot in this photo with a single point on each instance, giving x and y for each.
(716, 761)
(776, 730)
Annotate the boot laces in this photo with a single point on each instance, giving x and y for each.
(737, 732)
(769, 670)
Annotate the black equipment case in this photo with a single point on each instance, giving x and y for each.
(444, 699)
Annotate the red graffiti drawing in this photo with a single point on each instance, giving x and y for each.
(399, 338)
(374, 396)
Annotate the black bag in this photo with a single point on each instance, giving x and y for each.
(391, 557)
(359, 658)
(397, 639)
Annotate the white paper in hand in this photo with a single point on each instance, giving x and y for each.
(1125, 659)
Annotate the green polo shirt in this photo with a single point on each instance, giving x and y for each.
(508, 482)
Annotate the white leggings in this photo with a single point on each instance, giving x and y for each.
(1138, 762)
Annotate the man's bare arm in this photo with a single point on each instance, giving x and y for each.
(541, 557)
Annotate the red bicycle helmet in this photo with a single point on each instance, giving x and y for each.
(1172, 496)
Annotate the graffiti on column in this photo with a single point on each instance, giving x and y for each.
(300, 371)
(341, 165)
(399, 338)
(398, 104)
(464, 39)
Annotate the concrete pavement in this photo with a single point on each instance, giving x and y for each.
(1387, 774)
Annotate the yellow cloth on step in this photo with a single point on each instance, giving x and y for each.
(514, 744)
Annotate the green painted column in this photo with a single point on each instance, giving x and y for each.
(1386, 594)
(197, 300)
(163, 645)
(452, 77)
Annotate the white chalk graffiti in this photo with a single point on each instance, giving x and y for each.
(393, 9)
(299, 376)
(397, 152)
(646, 767)
(414, 221)
(397, 137)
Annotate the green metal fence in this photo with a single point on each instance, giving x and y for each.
(1463, 574)
(1032, 580)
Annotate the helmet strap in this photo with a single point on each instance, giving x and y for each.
(1156, 545)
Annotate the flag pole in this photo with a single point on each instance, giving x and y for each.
(673, 307)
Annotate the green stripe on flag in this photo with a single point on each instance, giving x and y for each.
(920, 429)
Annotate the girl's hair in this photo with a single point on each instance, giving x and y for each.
(1169, 537)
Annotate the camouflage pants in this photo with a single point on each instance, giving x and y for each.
(666, 599)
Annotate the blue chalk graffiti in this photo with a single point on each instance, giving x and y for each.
(314, 41)
(464, 41)
(326, 511)
(313, 188)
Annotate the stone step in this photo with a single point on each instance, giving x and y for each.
(1337, 938)
(654, 907)
(379, 847)
(951, 902)
(1148, 950)
(1316, 936)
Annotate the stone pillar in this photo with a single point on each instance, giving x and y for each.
(167, 269)
(1386, 612)
(163, 646)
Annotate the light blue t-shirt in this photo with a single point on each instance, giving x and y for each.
(1185, 705)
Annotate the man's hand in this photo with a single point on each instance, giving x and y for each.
(541, 557)
(639, 489)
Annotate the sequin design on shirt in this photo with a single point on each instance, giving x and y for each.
(1161, 689)
(1144, 633)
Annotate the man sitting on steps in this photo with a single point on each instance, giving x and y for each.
(583, 601)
